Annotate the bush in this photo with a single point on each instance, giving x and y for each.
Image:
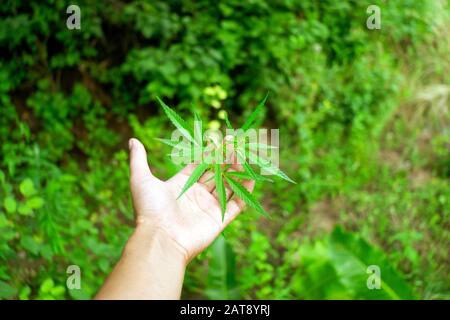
(369, 152)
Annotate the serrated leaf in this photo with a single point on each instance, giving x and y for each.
(220, 189)
(176, 144)
(251, 119)
(246, 176)
(227, 122)
(268, 166)
(198, 129)
(243, 193)
(169, 142)
(248, 169)
(246, 165)
(239, 174)
(177, 121)
(196, 174)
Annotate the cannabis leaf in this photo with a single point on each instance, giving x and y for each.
(268, 166)
(249, 170)
(243, 193)
(220, 189)
(175, 144)
(246, 176)
(196, 174)
(227, 122)
(198, 129)
(222, 173)
(178, 122)
(251, 119)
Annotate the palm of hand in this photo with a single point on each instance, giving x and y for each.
(194, 220)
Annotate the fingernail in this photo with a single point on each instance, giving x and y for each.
(130, 144)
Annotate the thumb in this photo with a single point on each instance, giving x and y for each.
(138, 159)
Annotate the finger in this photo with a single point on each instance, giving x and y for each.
(138, 159)
(207, 180)
(188, 169)
(235, 206)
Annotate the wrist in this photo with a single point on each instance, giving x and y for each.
(151, 267)
(151, 242)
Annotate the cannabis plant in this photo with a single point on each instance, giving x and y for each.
(211, 152)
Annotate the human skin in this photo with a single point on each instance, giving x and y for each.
(169, 232)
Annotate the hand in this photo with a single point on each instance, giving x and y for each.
(191, 222)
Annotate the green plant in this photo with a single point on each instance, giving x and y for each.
(222, 282)
(211, 159)
(337, 268)
(363, 114)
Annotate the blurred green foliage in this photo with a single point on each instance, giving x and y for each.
(364, 128)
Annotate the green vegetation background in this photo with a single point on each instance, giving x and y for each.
(364, 128)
